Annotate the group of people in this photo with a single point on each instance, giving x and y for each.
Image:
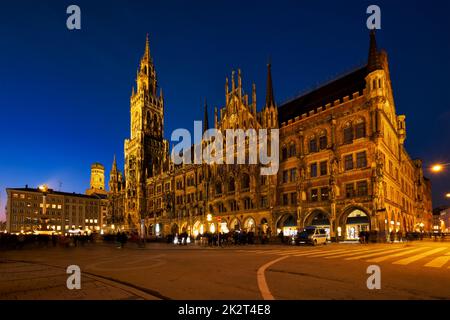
(235, 237)
(21, 241)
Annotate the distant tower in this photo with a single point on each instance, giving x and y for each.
(97, 179)
(115, 178)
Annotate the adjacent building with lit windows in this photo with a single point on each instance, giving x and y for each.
(64, 212)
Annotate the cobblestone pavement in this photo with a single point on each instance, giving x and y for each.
(35, 281)
(417, 270)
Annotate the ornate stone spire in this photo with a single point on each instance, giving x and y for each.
(374, 62)
(270, 101)
(205, 118)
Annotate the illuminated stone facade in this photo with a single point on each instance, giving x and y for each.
(343, 164)
(64, 212)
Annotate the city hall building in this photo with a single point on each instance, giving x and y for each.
(343, 164)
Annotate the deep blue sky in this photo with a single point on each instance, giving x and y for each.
(64, 95)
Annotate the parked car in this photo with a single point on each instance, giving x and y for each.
(312, 235)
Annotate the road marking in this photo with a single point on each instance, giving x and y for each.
(261, 279)
(291, 252)
(353, 253)
(439, 262)
(282, 252)
(409, 260)
(327, 253)
(396, 255)
(307, 253)
(268, 251)
(373, 254)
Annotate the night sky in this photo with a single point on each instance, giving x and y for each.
(64, 95)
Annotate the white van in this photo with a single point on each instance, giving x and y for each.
(312, 235)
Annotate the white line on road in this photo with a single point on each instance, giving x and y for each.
(324, 254)
(374, 254)
(380, 259)
(352, 253)
(418, 257)
(261, 279)
(439, 262)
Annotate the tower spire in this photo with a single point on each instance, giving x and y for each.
(374, 56)
(269, 93)
(147, 48)
(114, 165)
(205, 120)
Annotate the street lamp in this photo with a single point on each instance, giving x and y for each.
(439, 167)
(447, 195)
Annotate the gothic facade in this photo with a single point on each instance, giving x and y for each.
(343, 163)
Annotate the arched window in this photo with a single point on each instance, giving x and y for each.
(218, 188)
(231, 185)
(284, 153)
(348, 133)
(313, 145)
(245, 181)
(323, 141)
(292, 150)
(360, 129)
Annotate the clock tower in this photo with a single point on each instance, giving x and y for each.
(146, 150)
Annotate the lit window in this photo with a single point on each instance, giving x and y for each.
(314, 195)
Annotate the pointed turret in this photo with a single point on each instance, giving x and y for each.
(254, 99)
(374, 61)
(270, 101)
(114, 165)
(205, 118)
(216, 119)
(147, 48)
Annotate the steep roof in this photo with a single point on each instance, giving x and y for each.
(332, 91)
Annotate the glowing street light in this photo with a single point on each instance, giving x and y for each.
(437, 168)
(447, 195)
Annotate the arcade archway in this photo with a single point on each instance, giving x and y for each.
(235, 225)
(250, 225)
(356, 221)
(287, 224)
